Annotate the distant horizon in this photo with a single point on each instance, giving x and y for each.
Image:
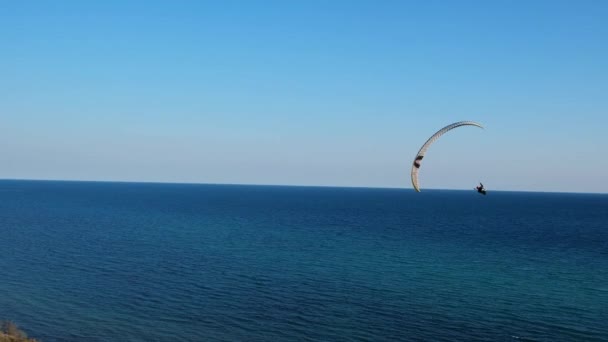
(286, 185)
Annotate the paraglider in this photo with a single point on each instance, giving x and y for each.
(427, 144)
(481, 189)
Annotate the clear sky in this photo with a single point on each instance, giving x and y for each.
(306, 92)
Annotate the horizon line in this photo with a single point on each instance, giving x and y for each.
(283, 185)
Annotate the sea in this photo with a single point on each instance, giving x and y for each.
(103, 261)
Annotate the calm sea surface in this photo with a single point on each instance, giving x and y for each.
(85, 261)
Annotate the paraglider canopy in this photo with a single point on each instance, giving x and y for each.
(420, 155)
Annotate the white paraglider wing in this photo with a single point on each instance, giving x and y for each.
(428, 143)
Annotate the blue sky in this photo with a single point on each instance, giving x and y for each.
(306, 93)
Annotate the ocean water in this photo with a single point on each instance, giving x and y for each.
(87, 261)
